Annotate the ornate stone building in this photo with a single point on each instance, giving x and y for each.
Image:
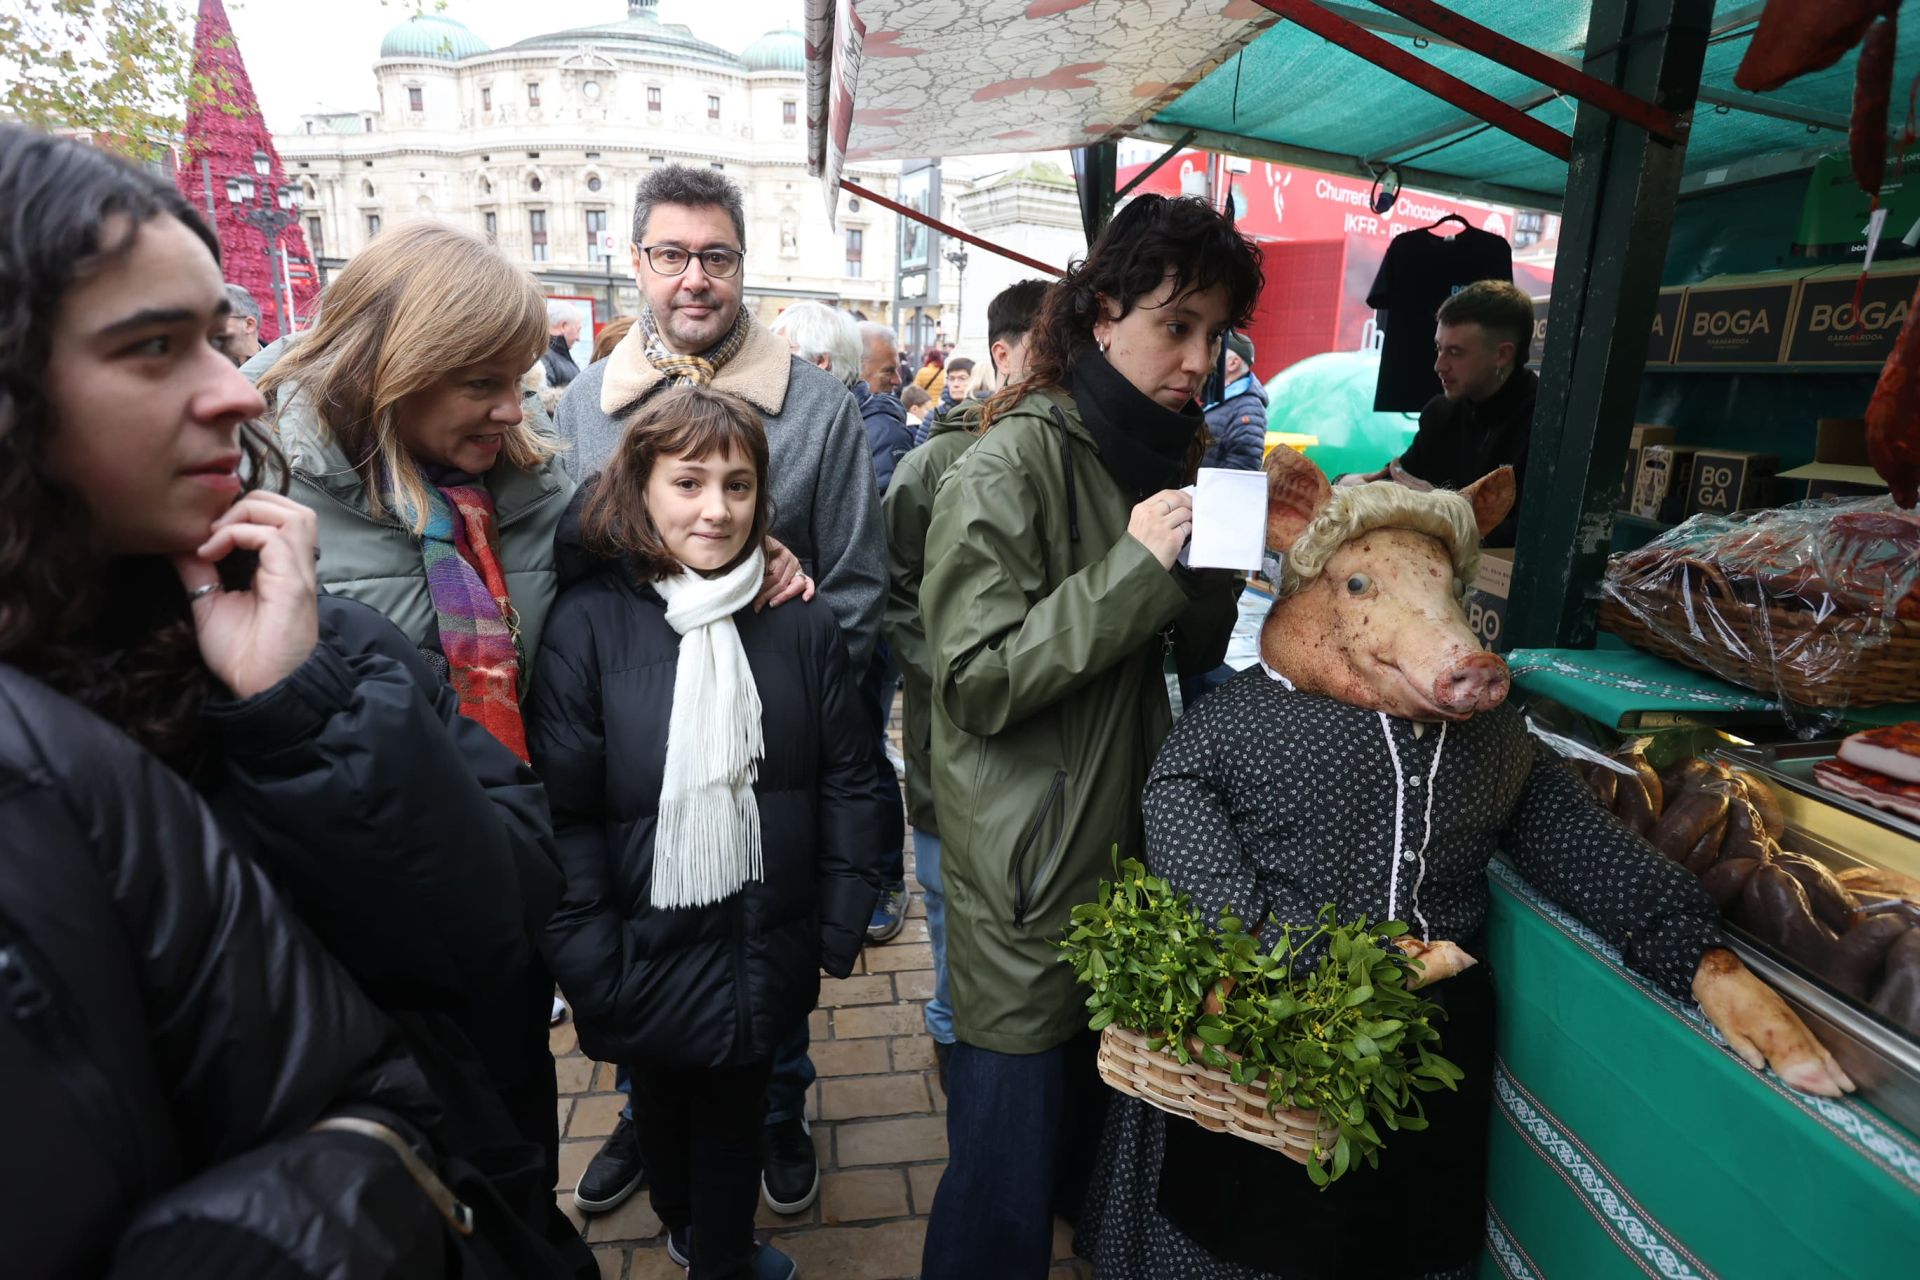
(540, 145)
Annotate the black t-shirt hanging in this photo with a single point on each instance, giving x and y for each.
(1421, 271)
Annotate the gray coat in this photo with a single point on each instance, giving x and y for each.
(825, 504)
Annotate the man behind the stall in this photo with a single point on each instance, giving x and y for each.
(1483, 418)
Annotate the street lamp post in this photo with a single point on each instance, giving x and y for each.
(958, 257)
(255, 210)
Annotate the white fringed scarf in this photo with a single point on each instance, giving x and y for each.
(708, 843)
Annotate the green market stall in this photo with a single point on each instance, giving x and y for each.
(1627, 1141)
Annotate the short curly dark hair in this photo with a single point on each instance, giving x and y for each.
(117, 638)
(683, 184)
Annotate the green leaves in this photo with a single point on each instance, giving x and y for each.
(1321, 1014)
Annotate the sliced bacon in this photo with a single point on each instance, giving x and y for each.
(1868, 787)
(1893, 750)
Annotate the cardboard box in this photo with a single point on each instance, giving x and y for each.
(1641, 436)
(1839, 468)
(1537, 349)
(1666, 326)
(1826, 329)
(1729, 480)
(1487, 600)
(1661, 486)
(1736, 319)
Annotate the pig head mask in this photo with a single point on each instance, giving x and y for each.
(1370, 607)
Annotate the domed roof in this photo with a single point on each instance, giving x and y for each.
(781, 50)
(641, 32)
(432, 35)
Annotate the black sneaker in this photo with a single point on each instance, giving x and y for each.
(614, 1174)
(790, 1176)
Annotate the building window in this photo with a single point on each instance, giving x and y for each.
(713, 106)
(366, 190)
(486, 99)
(856, 247)
(593, 183)
(493, 226)
(718, 165)
(367, 124)
(653, 97)
(309, 126)
(533, 93)
(537, 225)
(533, 184)
(373, 225)
(596, 226)
(315, 241)
(789, 112)
(416, 100)
(656, 159)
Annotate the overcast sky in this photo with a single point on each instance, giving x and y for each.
(305, 54)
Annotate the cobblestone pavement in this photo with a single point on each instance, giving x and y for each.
(878, 1121)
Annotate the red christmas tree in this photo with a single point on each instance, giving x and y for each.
(225, 129)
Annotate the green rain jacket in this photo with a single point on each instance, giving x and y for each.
(1047, 627)
(908, 511)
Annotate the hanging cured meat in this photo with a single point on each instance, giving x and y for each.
(1796, 36)
(1893, 415)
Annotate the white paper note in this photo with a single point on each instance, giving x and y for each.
(1229, 520)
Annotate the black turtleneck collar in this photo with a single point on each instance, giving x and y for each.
(1517, 391)
(1143, 444)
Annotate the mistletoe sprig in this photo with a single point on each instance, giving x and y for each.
(1322, 1016)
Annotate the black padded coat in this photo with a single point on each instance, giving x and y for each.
(713, 986)
(161, 1014)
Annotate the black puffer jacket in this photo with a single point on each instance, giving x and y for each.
(162, 1014)
(710, 986)
(419, 850)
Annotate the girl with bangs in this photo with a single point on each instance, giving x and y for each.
(714, 870)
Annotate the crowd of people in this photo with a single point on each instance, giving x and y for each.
(358, 691)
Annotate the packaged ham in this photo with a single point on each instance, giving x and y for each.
(1893, 750)
(1816, 604)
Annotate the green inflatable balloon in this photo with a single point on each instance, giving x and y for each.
(1331, 396)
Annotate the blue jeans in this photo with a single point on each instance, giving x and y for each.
(926, 861)
(1022, 1133)
(793, 1075)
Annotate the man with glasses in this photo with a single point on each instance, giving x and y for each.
(689, 246)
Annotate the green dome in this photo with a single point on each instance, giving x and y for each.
(430, 35)
(781, 50)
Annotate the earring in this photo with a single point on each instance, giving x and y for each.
(1103, 344)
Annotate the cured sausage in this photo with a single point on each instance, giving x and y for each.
(1631, 803)
(1746, 834)
(1828, 897)
(1696, 812)
(1706, 850)
(1893, 415)
(1795, 37)
(1872, 85)
(1656, 794)
(1774, 908)
(1761, 796)
(1605, 783)
(1853, 960)
(1726, 879)
(1898, 999)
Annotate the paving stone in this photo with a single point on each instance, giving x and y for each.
(563, 1039)
(885, 1252)
(574, 1074)
(766, 1219)
(613, 1264)
(574, 1158)
(924, 1179)
(819, 1024)
(633, 1220)
(916, 984)
(915, 930)
(654, 1264)
(899, 1141)
(603, 1075)
(875, 1020)
(562, 1108)
(914, 1053)
(910, 955)
(865, 989)
(850, 1057)
(595, 1115)
(896, 1095)
(862, 1195)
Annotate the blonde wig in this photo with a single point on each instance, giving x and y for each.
(420, 302)
(1360, 509)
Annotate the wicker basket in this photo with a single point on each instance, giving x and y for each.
(1839, 660)
(1207, 1097)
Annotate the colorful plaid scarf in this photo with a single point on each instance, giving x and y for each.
(701, 369)
(478, 627)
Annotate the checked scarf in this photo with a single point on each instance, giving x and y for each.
(477, 621)
(701, 369)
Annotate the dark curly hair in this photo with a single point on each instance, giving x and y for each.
(1151, 239)
(116, 634)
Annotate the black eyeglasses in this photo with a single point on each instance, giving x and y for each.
(672, 260)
